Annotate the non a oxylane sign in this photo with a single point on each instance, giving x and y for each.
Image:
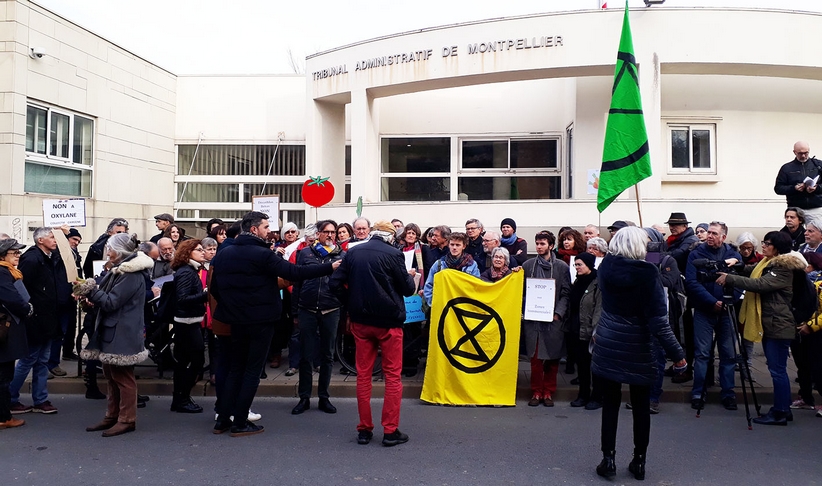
(59, 212)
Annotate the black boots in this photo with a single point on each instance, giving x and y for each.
(607, 468)
(637, 466)
(92, 390)
(184, 404)
(773, 417)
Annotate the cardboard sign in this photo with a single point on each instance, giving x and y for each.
(66, 255)
(413, 309)
(57, 212)
(269, 205)
(540, 294)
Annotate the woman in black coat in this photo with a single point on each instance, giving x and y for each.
(189, 312)
(634, 309)
(16, 307)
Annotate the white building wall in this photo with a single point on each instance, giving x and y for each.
(131, 101)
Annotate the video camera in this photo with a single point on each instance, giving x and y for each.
(708, 270)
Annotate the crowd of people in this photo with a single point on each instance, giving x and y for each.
(623, 308)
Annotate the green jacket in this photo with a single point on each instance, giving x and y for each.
(590, 308)
(775, 288)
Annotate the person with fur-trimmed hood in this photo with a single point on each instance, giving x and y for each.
(766, 313)
(117, 340)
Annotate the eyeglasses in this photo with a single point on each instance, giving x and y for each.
(332, 232)
(767, 243)
(14, 252)
(471, 228)
(198, 249)
(802, 153)
(291, 231)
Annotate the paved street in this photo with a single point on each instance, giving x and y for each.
(448, 446)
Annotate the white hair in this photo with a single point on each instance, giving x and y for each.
(504, 253)
(599, 243)
(630, 242)
(123, 244)
(41, 233)
(748, 237)
(812, 222)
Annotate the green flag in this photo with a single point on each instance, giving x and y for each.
(625, 158)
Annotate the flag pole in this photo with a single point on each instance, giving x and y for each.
(638, 205)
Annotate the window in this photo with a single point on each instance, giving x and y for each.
(416, 169)
(693, 149)
(510, 169)
(59, 152)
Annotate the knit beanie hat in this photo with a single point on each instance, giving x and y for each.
(588, 259)
(510, 222)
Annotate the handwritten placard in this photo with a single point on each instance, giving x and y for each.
(540, 295)
(413, 309)
(269, 205)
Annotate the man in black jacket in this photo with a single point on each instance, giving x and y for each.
(44, 275)
(790, 181)
(244, 283)
(474, 230)
(377, 281)
(316, 310)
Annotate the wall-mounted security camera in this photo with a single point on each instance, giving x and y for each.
(37, 52)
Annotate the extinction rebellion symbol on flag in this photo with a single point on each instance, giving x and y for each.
(482, 340)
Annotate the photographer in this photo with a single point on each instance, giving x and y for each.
(710, 316)
(767, 305)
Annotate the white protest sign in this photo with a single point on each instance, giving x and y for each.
(539, 299)
(66, 255)
(409, 259)
(269, 205)
(57, 212)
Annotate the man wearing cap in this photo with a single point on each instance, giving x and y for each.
(517, 247)
(682, 239)
(790, 181)
(618, 225)
(161, 221)
(97, 249)
(373, 278)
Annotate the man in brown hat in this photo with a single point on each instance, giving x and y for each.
(161, 221)
(680, 243)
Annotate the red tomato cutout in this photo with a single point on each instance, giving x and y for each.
(318, 191)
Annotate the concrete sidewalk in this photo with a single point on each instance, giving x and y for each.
(279, 385)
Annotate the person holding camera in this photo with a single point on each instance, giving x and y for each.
(711, 316)
(767, 305)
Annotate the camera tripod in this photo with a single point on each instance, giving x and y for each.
(740, 358)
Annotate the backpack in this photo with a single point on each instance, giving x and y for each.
(804, 302)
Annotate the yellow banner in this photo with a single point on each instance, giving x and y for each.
(473, 346)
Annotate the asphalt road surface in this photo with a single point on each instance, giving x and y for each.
(448, 446)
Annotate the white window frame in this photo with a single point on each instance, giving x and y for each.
(711, 128)
(63, 162)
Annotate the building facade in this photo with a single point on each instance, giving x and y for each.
(490, 119)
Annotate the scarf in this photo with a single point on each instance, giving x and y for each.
(323, 251)
(508, 241)
(17, 274)
(496, 275)
(750, 313)
(458, 263)
(567, 254)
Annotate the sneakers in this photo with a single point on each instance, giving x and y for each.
(57, 371)
(654, 408)
(593, 405)
(394, 438)
(364, 437)
(729, 403)
(248, 429)
(252, 417)
(801, 405)
(291, 372)
(17, 408)
(818, 409)
(45, 407)
(579, 402)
